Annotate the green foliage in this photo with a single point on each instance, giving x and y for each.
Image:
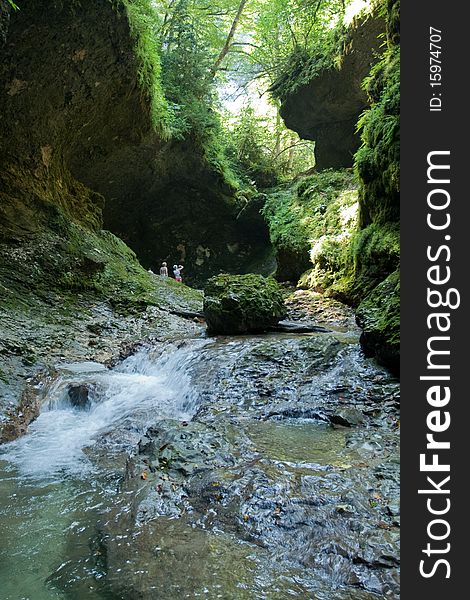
(292, 35)
(313, 225)
(306, 63)
(392, 14)
(312, 221)
(310, 209)
(143, 21)
(378, 159)
(177, 43)
(379, 316)
(374, 254)
(250, 150)
(378, 244)
(263, 151)
(185, 75)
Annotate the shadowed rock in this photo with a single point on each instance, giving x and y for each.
(79, 143)
(79, 396)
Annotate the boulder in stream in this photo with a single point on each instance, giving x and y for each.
(242, 303)
(79, 396)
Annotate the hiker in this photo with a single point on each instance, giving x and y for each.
(164, 270)
(177, 272)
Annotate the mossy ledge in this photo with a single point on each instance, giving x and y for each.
(320, 89)
(379, 317)
(312, 221)
(378, 166)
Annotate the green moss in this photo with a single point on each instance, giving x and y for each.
(393, 21)
(375, 249)
(313, 228)
(143, 23)
(374, 254)
(176, 112)
(241, 303)
(379, 316)
(378, 159)
(312, 220)
(81, 261)
(48, 198)
(305, 64)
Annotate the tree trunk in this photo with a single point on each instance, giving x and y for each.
(228, 41)
(290, 161)
(277, 147)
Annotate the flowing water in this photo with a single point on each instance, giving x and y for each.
(206, 469)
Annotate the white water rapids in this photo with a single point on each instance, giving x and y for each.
(147, 386)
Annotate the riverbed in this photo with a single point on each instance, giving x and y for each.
(249, 467)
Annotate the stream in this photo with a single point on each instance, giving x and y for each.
(255, 467)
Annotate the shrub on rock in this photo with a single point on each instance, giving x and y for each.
(242, 303)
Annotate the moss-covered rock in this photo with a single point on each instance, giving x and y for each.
(311, 223)
(378, 159)
(357, 263)
(377, 244)
(5, 9)
(236, 304)
(379, 317)
(322, 95)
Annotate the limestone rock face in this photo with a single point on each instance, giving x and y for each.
(77, 144)
(326, 109)
(236, 304)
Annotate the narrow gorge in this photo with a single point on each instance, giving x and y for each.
(234, 435)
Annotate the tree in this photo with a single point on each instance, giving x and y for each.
(228, 42)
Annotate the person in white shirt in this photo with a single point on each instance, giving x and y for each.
(177, 272)
(164, 270)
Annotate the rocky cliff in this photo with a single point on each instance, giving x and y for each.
(85, 144)
(322, 100)
(83, 140)
(357, 262)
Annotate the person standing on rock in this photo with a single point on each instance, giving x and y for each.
(177, 272)
(164, 270)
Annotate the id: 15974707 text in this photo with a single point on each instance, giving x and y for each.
(435, 69)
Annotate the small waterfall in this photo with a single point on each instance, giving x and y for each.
(87, 401)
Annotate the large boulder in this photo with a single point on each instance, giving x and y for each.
(242, 303)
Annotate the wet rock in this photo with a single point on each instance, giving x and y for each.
(80, 396)
(295, 327)
(306, 305)
(309, 506)
(188, 314)
(347, 417)
(236, 304)
(20, 417)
